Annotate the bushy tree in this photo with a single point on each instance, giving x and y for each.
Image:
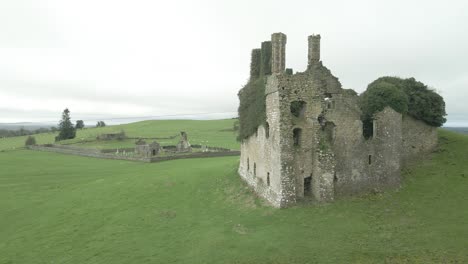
(79, 124)
(30, 141)
(66, 128)
(423, 103)
(100, 124)
(376, 98)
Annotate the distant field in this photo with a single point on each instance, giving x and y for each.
(204, 132)
(66, 209)
(463, 130)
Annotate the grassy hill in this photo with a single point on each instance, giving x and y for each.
(216, 133)
(65, 209)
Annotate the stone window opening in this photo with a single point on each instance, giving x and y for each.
(370, 159)
(335, 179)
(248, 164)
(298, 108)
(297, 134)
(330, 104)
(268, 179)
(255, 169)
(267, 130)
(154, 152)
(307, 185)
(368, 128)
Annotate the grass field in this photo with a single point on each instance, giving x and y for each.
(65, 209)
(204, 132)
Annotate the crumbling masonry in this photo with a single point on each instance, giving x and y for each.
(312, 143)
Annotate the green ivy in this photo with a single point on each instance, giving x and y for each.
(252, 108)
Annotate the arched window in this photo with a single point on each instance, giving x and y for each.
(255, 169)
(268, 178)
(267, 130)
(297, 134)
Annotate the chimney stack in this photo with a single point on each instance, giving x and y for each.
(278, 56)
(255, 62)
(314, 49)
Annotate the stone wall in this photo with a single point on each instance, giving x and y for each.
(419, 138)
(85, 152)
(97, 154)
(262, 152)
(385, 163)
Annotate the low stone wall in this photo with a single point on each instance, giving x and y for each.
(197, 155)
(154, 138)
(85, 153)
(95, 153)
(119, 149)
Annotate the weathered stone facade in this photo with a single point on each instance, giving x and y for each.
(147, 150)
(183, 145)
(312, 143)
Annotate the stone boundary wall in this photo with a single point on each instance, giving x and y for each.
(85, 152)
(155, 138)
(94, 153)
(119, 149)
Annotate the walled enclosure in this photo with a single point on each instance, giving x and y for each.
(312, 144)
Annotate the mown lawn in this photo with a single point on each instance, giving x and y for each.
(65, 209)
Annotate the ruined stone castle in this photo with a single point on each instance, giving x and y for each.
(312, 142)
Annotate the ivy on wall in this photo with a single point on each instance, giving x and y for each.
(252, 106)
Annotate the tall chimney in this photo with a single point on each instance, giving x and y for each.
(278, 56)
(265, 58)
(314, 49)
(255, 63)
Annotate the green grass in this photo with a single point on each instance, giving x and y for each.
(204, 132)
(66, 209)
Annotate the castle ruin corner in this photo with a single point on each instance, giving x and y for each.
(310, 145)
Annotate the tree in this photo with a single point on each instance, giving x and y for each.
(423, 103)
(100, 124)
(376, 98)
(30, 141)
(66, 128)
(79, 124)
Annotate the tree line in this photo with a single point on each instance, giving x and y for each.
(66, 129)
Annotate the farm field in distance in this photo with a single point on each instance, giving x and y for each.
(216, 133)
(67, 209)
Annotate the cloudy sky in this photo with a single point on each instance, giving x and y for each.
(144, 58)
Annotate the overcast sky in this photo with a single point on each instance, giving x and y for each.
(136, 58)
